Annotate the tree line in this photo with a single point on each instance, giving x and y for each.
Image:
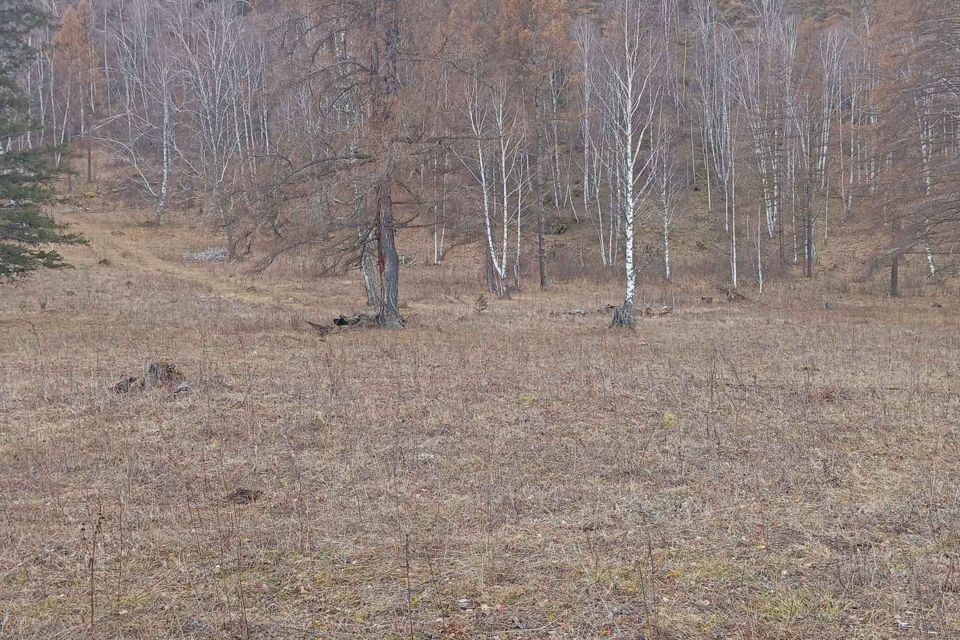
(330, 124)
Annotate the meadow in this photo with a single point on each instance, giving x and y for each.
(786, 468)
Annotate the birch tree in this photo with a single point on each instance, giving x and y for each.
(718, 61)
(220, 73)
(832, 49)
(665, 174)
(142, 131)
(765, 87)
(497, 166)
(480, 164)
(629, 101)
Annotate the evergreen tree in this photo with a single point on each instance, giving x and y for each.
(25, 175)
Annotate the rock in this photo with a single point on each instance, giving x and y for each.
(198, 628)
(212, 254)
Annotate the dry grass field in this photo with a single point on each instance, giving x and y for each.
(753, 470)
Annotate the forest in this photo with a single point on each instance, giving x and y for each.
(499, 319)
(328, 126)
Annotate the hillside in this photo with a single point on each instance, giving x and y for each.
(479, 320)
(767, 470)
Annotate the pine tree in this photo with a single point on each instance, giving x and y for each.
(25, 174)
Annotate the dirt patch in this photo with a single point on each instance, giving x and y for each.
(242, 495)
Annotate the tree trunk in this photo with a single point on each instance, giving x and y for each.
(495, 284)
(809, 242)
(165, 148)
(624, 316)
(388, 261)
(666, 248)
(783, 258)
(385, 19)
(895, 276)
(541, 216)
(895, 261)
(368, 270)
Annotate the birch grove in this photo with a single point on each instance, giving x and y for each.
(753, 133)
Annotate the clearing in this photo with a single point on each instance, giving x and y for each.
(754, 470)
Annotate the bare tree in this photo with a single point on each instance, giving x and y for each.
(832, 48)
(765, 86)
(630, 101)
(717, 54)
(497, 165)
(142, 130)
(327, 126)
(220, 76)
(666, 184)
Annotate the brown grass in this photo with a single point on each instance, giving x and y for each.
(771, 470)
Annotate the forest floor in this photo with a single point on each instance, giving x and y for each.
(787, 468)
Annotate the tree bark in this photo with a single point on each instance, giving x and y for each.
(783, 258)
(385, 82)
(368, 270)
(895, 276)
(541, 216)
(895, 260)
(624, 316)
(388, 261)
